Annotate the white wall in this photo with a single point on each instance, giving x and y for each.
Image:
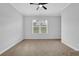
(70, 26)
(54, 27)
(11, 27)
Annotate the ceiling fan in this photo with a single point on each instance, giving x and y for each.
(40, 5)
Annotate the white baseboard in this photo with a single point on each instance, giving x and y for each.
(70, 45)
(16, 42)
(44, 39)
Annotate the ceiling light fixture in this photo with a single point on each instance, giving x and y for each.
(40, 6)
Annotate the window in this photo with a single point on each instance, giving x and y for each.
(39, 26)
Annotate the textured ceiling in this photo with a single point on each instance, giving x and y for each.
(53, 9)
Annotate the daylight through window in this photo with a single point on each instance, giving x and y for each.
(40, 26)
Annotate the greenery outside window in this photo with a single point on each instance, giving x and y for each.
(39, 26)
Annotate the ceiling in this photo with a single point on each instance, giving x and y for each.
(53, 9)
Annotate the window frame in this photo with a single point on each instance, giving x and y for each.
(40, 32)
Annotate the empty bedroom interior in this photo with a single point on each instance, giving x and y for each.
(39, 29)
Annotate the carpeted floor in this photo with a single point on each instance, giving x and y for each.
(40, 47)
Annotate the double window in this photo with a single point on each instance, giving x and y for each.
(39, 26)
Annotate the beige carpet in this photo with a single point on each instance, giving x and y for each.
(40, 47)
